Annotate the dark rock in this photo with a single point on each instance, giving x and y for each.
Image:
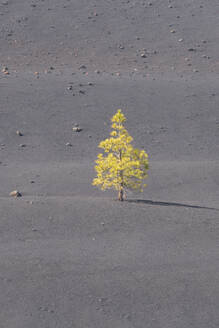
(191, 49)
(82, 67)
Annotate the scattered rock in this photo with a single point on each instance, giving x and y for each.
(76, 129)
(191, 49)
(172, 31)
(83, 67)
(5, 71)
(180, 40)
(15, 193)
(19, 133)
(70, 88)
(143, 55)
(68, 143)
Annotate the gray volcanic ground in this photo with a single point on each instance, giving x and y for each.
(70, 255)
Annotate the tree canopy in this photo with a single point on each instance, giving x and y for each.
(121, 166)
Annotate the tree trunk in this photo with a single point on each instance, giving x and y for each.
(120, 195)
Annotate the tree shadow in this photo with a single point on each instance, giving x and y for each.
(159, 203)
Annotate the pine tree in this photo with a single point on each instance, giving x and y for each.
(122, 166)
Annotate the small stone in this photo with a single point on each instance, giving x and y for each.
(70, 87)
(180, 40)
(15, 193)
(76, 129)
(97, 71)
(187, 59)
(82, 67)
(172, 31)
(68, 144)
(90, 83)
(19, 133)
(170, 6)
(22, 145)
(5, 71)
(195, 70)
(143, 55)
(191, 49)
